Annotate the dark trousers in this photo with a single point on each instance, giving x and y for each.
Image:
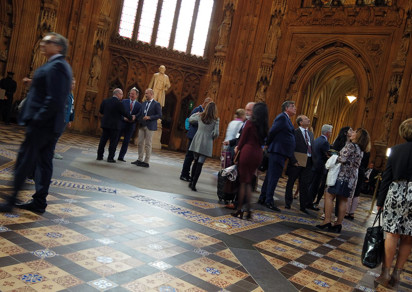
(188, 161)
(127, 132)
(304, 175)
(317, 187)
(5, 109)
(274, 172)
(36, 152)
(113, 135)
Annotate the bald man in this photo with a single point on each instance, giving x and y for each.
(112, 111)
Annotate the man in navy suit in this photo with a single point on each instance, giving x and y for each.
(320, 156)
(281, 144)
(112, 111)
(190, 134)
(135, 108)
(152, 111)
(43, 114)
(304, 142)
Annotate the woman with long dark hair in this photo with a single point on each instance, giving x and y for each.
(350, 158)
(251, 154)
(202, 143)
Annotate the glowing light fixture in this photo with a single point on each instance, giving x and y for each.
(388, 152)
(351, 98)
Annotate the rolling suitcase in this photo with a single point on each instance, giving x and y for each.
(226, 189)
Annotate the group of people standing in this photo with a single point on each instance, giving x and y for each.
(120, 117)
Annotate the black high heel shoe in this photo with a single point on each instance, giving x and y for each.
(249, 215)
(238, 213)
(327, 225)
(335, 228)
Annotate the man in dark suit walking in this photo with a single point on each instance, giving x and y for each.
(152, 111)
(135, 108)
(113, 111)
(304, 142)
(43, 114)
(184, 175)
(281, 144)
(320, 156)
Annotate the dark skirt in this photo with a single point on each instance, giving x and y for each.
(340, 188)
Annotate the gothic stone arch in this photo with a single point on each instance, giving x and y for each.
(327, 53)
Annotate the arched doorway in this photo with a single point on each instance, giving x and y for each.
(326, 97)
(168, 112)
(324, 76)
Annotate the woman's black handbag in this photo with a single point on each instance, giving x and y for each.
(373, 246)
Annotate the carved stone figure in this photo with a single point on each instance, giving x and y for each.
(274, 35)
(224, 29)
(160, 84)
(260, 95)
(95, 69)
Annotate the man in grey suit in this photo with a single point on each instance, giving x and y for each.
(152, 111)
(43, 114)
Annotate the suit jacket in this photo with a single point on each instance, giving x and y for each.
(193, 127)
(320, 153)
(301, 145)
(136, 111)
(281, 138)
(46, 100)
(113, 111)
(398, 167)
(154, 112)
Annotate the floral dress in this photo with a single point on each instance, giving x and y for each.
(350, 158)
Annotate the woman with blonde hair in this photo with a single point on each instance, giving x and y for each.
(350, 158)
(202, 143)
(395, 198)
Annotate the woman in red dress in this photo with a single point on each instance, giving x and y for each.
(251, 154)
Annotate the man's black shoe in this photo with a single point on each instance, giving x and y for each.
(287, 206)
(136, 162)
(312, 207)
(111, 160)
(261, 202)
(121, 159)
(185, 178)
(6, 207)
(30, 206)
(272, 207)
(145, 164)
(99, 158)
(304, 211)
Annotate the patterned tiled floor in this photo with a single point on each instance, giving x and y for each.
(99, 234)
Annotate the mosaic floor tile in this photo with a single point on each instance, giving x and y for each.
(72, 174)
(68, 210)
(331, 260)
(102, 284)
(54, 235)
(108, 206)
(148, 221)
(193, 238)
